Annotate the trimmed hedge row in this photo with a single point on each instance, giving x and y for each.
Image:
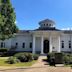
(64, 58)
(3, 51)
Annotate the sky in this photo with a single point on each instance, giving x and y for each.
(30, 12)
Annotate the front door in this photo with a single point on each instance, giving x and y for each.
(46, 46)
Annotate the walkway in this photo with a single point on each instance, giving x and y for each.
(41, 66)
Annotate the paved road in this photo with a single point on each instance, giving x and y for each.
(40, 66)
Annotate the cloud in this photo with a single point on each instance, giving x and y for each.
(66, 29)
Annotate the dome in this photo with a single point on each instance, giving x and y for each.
(47, 23)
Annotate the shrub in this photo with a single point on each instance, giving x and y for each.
(35, 56)
(3, 49)
(67, 58)
(58, 58)
(52, 61)
(70, 59)
(55, 58)
(50, 55)
(12, 60)
(24, 57)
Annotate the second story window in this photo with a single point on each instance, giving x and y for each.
(62, 44)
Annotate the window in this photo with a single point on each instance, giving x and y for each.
(44, 24)
(69, 44)
(16, 45)
(53, 47)
(31, 45)
(23, 45)
(49, 24)
(1, 44)
(62, 44)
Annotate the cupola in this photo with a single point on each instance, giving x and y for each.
(47, 23)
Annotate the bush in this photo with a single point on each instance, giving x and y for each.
(3, 51)
(58, 58)
(55, 58)
(12, 60)
(24, 57)
(67, 58)
(35, 56)
(50, 55)
(52, 61)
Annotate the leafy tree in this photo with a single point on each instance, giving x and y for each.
(7, 20)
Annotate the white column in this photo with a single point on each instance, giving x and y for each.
(50, 44)
(42, 39)
(59, 48)
(33, 51)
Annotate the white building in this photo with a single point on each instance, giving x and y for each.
(43, 40)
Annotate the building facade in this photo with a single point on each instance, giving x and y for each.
(47, 38)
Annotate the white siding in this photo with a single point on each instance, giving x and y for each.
(66, 38)
(20, 40)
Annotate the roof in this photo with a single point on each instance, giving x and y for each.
(23, 31)
(46, 20)
(48, 28)
(67, 31)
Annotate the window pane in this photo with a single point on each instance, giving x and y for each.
(16, 45)
(62, 44)
(69, 44)
(30, 45)
(23, 46)
(1, 44)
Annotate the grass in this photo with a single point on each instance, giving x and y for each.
(4, 59)
(69, 65)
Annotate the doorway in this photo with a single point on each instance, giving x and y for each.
(46, 46)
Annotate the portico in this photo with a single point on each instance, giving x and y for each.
(46, 42)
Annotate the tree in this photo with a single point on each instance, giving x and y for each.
(7, 20)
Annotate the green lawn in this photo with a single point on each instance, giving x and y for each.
(4, 59)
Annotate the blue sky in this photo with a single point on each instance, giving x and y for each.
(30, 12)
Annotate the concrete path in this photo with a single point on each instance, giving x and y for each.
(40, 66)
